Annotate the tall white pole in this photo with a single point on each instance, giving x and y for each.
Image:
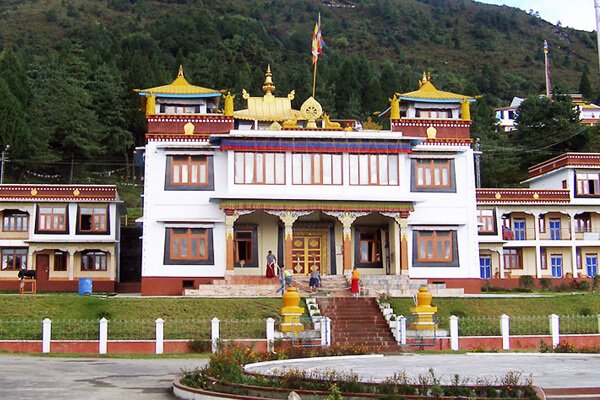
(597, 6)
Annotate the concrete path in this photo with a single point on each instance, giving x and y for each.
(25, 377)
(547, 370)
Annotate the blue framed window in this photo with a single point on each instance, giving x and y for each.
(485, 267)
(556, 263)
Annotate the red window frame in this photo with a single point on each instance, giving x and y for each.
(15, 221)
(430, 171)
(244, 236)
(259, 168)
(189, 244)
(60, 261)
(513, 259)
(583, 223)
(13, 259)
(183, 167)
(376, 164)
(435, 246)
(52, 219)
(486, 221)
(94, 260)
(98, 219)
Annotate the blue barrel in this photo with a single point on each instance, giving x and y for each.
(85, 286)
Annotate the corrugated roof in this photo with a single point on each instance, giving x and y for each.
(180, 86)
(268, 108)
(429, 92)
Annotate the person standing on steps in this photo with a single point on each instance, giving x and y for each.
(354, 287)
(315, 279)
(271, 260)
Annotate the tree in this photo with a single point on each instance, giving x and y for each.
(547, 127)
(15, 77)
(585, 87)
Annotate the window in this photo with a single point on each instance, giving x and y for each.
(433, 113)
(542, 224)
(486, 221)
(192, 172)
(367, 248)
(435, 248)
(180, 109)
(52, 219)
(433, 175)
(317, 169)
(485, 266)
(556, 263)
(93, 261)
(246, 246)
(591, 264)
(189, 246)
(519, 229)
(554, 226)
(513, 259)
(15, 221)
(14, 259)
(543, 259)
(587, 185)
(259, 168)
(583, 222)
(60, 261)
(93, 220)
(374, 169)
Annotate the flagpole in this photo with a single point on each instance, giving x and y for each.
(547, 71)
(315, 78)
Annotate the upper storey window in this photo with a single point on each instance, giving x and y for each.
(15, 221)
(433, 113)
(93, 220)
(259, 168)
(52, 219)
(316, 169)
(190, 172)
(180, 109)
(374, 169)
(588, 185)
(433, 175)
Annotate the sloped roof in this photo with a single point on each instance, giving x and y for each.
(180, 86)
(428, 91)
(268, 108)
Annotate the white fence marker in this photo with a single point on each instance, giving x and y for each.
(214, 334)
(454, 332)
(401, 329)
(46, 335)
(270, 335)
(555, 330)
(160, 335)
(103, 336)
(505, 331)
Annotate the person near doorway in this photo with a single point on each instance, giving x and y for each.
(315, 279)
(289, 277)
(354, 286)
(281, 274)
(271, 260)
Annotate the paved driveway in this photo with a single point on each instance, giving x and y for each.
(25, 377)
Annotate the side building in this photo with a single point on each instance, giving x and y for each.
(223, 188)
(63, 232)
(549, 230)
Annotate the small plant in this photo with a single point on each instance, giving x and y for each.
(335, 393)
(384, 298)
(545, 283)
(526, 282)
(586, 311)
(596, 282)
(393, 317)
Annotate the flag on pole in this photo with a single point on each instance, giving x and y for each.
(317, 42)
(547, 68)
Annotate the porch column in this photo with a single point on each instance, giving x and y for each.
(347, 219)
(573, 245)
(403, 225)
(230, 218)
(30, 261)
(536, 230)
(71, 266)
(288, 218)
(113, 265)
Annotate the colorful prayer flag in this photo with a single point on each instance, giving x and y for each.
(317, 42)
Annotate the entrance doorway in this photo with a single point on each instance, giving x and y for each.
(309, 250)
(42, 267)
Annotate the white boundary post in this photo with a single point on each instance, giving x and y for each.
(270, 335)
(555, 330)
(214, 334)
(46, 335)
(160, 335)
(323, 323)
(454, 332)
(103, 336)
(327, 331)
(505, 331)
(401, 330)
(598, 323)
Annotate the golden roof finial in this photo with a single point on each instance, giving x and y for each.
(268, 86)
(423, 80)
(180, 73)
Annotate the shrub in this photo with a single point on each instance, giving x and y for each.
(545, 283)
(581, 285)
(596, 282)
(586, 311)
(200, 345)
(526, 282)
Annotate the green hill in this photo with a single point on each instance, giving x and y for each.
(91, 53)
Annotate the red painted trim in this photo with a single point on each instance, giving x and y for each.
(521, 196)
(591, 160)
(59, 192)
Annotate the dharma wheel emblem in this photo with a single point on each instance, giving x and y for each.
(311, 110)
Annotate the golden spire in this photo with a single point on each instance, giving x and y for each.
(268, 86)
(180, 73)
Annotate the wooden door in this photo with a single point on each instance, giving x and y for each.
(307, 253)
(42, 267)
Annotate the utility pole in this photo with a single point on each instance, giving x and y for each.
(477, 154)
(2, 158)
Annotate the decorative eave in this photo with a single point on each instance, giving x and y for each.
(440, 128)
(80, 193)
(177, 138)
(179, 88)
(231, 205)
(580, 160)
(308, 145)
(522, 196)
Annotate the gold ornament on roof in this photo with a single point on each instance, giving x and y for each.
(311, 110)
(76, 192)
(291, 95)
(275, 126)
(395, 107)
(426, 78)
(34, 192)
(188, 128)
(245, 94)
(228, 107)
(329, 124)
(268, 86)
(371, 125)
(431, 132)
(180, 72)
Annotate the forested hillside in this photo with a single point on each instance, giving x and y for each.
(69, 66)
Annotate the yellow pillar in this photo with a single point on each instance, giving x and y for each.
(347, 219)
(403, 225)
(465, 110)
(395, 107)
(228, 107)
(230, 219)
(150, 105)
(288, 219)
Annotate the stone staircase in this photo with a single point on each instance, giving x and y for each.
(357, 321)
(237, 286)
(331, 285)
(401, 286)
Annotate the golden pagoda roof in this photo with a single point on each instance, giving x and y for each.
(428, 92)
(268, 107)
(180, 87)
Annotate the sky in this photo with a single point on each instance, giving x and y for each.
(578, 14)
